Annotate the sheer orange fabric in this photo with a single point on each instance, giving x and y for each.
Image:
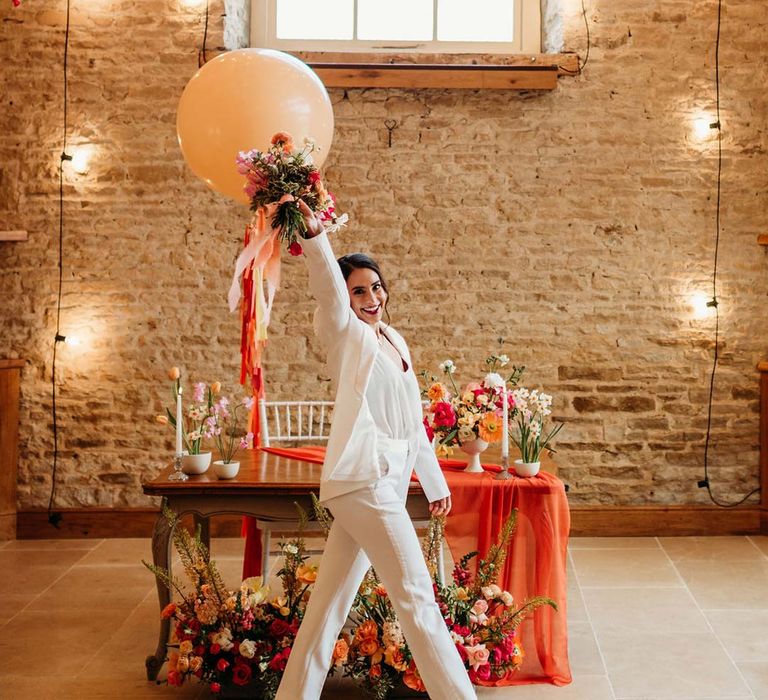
(535, 563)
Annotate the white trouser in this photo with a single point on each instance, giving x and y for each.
(373, 521)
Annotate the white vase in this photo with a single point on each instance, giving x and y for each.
(474, 448)
(196, 464)
(526, 469)
(225, 470)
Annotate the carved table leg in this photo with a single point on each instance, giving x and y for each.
(161, 557)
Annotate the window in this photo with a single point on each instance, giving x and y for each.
(373, 26)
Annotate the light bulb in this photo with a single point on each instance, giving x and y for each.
(73, 340)
(704, 126)
(700, 303)
(81, 157)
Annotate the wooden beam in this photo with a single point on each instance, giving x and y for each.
(13, 236)
(436, 76)
(762, 239)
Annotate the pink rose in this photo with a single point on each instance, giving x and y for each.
(477, 655)
(444, 414)
(428, 428)
(480, 607)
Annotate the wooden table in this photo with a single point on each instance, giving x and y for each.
(266, 487)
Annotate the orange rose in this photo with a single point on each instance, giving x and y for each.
(436, 392)
(380, 591)
(368, 646)
(340, 652)
(394, 657)
(174, 373)
(412, 678)
(284, 139)
(375, 671)
(368, 630)
(168, 611)
(306, 574)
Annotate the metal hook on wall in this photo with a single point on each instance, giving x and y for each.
(391, 125)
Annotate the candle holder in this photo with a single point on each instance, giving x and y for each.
(177, 475)
(504, 474)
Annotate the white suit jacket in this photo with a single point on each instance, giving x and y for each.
(353, 455)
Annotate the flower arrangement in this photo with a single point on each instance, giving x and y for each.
(459, 416)
(207, 417)
(240, 637)
(282, 175)
(528, 428)
(482, 619)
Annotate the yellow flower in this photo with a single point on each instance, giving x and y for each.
(462, 594)
(163, 420)
(444, 450)
(174, 373)
(185, 647)
(280, 604)
(306, 574)
(490, 427)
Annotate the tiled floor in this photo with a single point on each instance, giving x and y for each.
(649, 619)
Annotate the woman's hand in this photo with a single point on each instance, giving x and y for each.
(441, 507)
(313, 224)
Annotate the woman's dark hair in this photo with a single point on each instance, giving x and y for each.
(356, 261)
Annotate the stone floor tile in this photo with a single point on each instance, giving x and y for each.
(738, 585)
(756, 675)
(583, 652)
(742, 632)
(709, 548)
(634, 568)
(613, 543)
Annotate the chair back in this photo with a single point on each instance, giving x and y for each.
(294, 421)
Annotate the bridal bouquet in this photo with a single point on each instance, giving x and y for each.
(481, 617)
(458, 416)
(233, 638)
(275, 181)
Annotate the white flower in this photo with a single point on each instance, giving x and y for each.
(194, 435)
(491, 592)
(457, 638)
(493, 379)
(338, 222)
(503, 360)
(392, 635)
(223, 638)
(248, 648)
(506, 598)
(535, 429)
(290, 549)
(448, 367)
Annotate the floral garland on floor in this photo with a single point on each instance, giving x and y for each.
(244, 637)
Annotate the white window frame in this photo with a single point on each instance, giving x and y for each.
(527, 37)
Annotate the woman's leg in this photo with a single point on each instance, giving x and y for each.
(341, 570)
(377, 519)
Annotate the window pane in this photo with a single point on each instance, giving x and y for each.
(311, 19)
(395, 20)
(479, 20)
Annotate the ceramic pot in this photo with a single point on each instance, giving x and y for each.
(474, 448)
(225, 470)
(196, 464)
(526, 469)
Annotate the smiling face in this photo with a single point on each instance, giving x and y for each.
(366, 295)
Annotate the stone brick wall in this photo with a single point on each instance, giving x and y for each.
(575, 223)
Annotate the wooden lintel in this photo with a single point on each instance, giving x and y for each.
(13, 236)
(762, 239)
(437, 76)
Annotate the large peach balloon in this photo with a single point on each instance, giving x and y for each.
(237, 101)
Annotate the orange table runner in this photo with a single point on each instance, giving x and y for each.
(535, 564)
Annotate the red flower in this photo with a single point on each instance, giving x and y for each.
(279, 628)
(199, 650)
(168, 611)
(241, 674)
(313, 177)
(222, 665)
(295, 249)
(444, 414)
(215, 687)
(215, 649)
(428, 428)
(175, 678)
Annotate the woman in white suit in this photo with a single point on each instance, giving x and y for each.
(376, 440)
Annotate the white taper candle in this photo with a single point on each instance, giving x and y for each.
(505, 428)
(179, 419)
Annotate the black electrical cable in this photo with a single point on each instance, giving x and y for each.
(202, 59)
(55, 518)
(582, 66)
(713, 303)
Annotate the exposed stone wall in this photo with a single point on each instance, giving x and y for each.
(575, 223)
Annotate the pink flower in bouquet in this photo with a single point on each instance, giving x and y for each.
(428, 428)
(480, 607)
(478, 655)
(483, 673)
(313, 177)
(444, 414)
(284, 139)
(198, 392)
(295, 249)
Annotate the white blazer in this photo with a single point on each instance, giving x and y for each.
(352, 457)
